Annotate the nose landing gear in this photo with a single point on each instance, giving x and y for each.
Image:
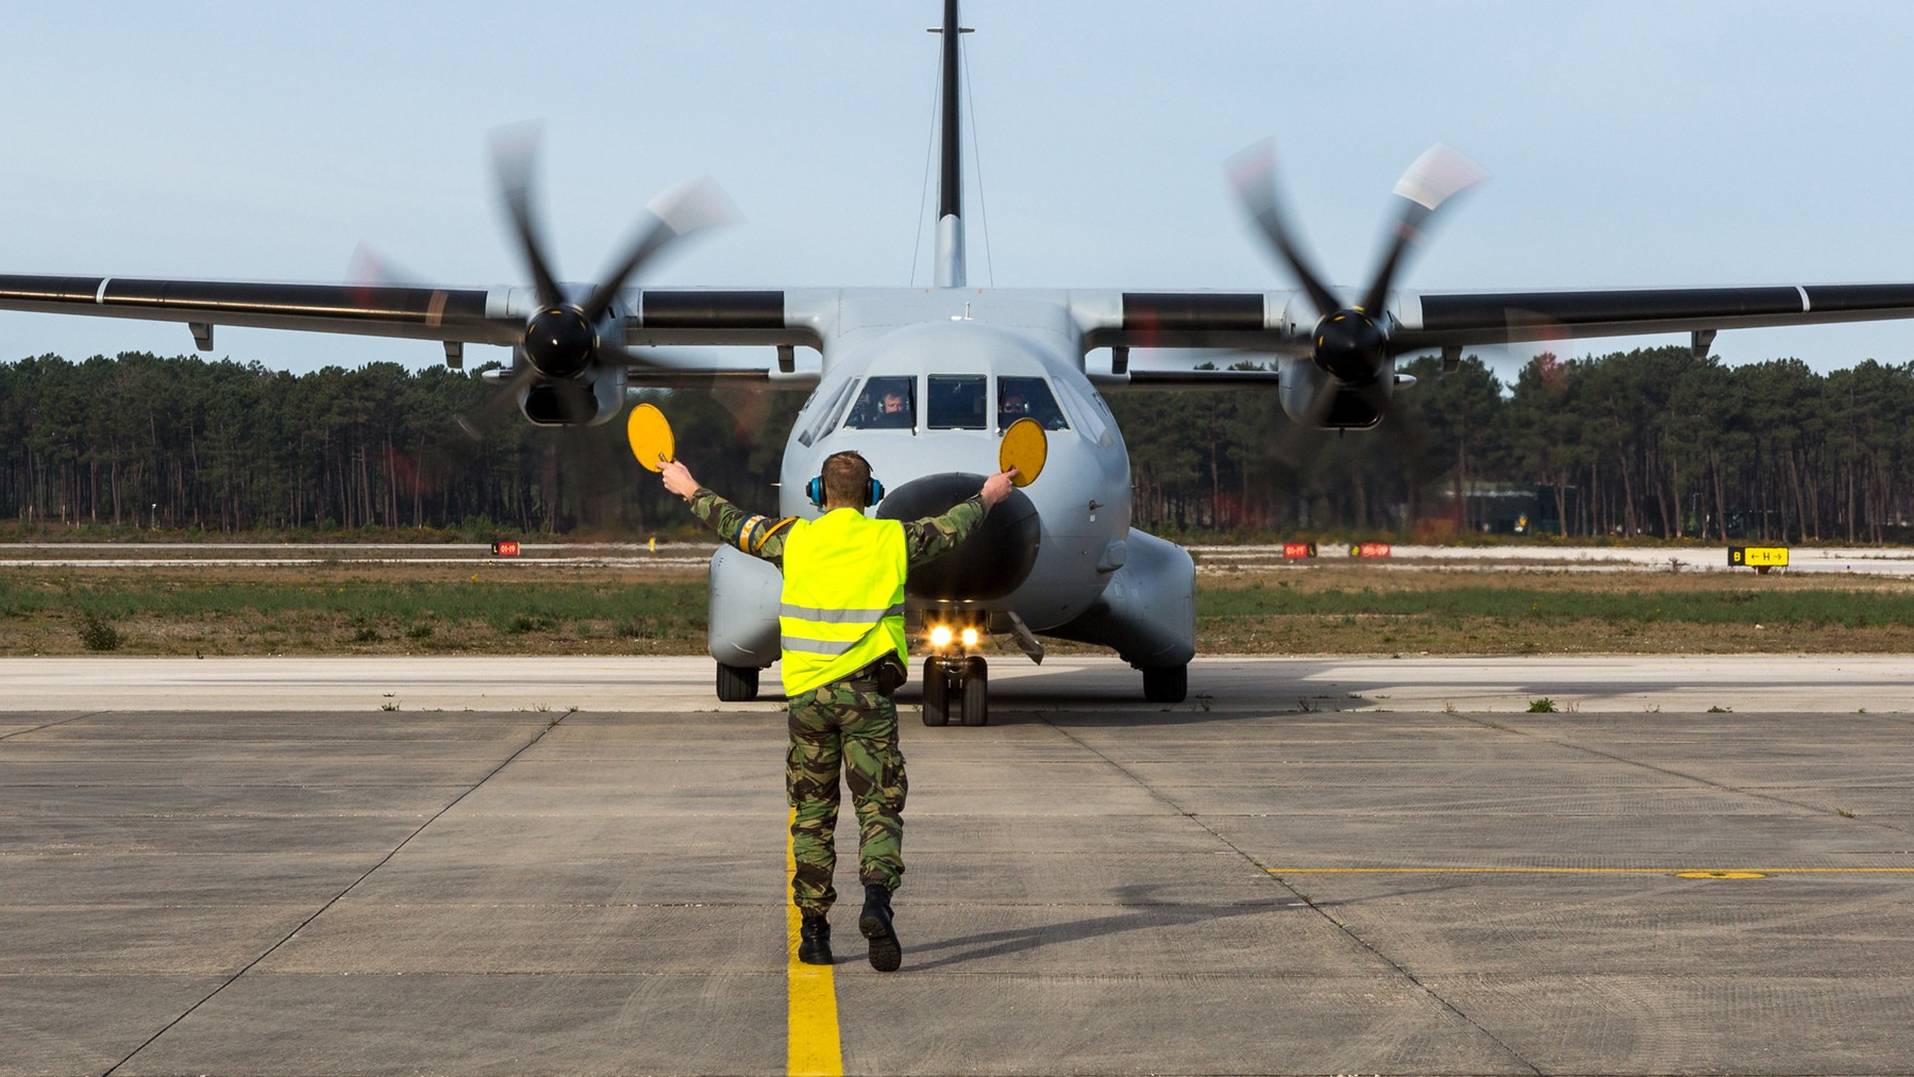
(959, 682)
(1166, 684)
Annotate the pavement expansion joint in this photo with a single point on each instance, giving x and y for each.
(50, 725)
(1685, 776)
(1341, 926)
(336, 898)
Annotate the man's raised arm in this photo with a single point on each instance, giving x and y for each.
(933, 536)
(759, 536)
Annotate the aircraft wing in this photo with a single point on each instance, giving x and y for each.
(1434, 319)
(1172, 332)
(427, 313)
(421, 312)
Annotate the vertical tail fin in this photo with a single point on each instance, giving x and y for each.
(950, 173)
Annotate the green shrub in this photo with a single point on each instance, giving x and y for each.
(97, 635)
(522, 623)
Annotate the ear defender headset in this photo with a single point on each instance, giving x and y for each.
(815, 488)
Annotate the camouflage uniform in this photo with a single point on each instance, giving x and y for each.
(847, 723)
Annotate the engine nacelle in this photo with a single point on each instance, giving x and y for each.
(992, 563)
(597, 397)
(1347, 410)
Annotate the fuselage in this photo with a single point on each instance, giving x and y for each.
(930, 399)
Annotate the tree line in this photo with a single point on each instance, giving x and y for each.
(1648, 442)
(219, 446)
(1651, 442)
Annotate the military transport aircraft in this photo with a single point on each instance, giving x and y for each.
(923, 381)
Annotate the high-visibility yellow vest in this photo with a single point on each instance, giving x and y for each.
(843, 602)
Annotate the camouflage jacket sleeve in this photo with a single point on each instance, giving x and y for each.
(759, 536)
(933, 536)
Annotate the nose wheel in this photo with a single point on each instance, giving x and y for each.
(1166, 684)
(957, 683)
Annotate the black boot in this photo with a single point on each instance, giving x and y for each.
(814, 939)
(875, 923)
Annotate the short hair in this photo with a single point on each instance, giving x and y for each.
(847, 479)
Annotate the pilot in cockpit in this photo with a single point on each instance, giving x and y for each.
(894, 412)
(885, 404)
(1011, 406)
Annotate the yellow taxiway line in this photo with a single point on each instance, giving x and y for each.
(810, 1022)
(1682, 872)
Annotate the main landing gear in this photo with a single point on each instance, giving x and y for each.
(737, 684)
(959, 682)
(1166, 684)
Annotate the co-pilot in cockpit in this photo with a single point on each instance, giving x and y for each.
(1021, 398)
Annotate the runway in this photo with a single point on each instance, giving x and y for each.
(1846, 560)
(1797, 684)
(1261, 880)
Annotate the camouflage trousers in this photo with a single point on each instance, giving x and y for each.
(849, 724)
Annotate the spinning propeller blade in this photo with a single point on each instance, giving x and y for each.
(1437, 176)
(514, 153)
(1351, 343)
(473, 421)
(688, 208)
(567, 340)
(1252, 173)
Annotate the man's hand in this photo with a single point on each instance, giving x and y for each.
(678, 480)
(997, 487)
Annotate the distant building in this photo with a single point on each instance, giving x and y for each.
(1502, 508)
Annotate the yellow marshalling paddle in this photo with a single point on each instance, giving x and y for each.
(1025, 447)
(650, 435)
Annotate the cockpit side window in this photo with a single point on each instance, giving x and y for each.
(887, 403)
(956, 402)
(1020, 398)
(826, 416)
(1090, 413)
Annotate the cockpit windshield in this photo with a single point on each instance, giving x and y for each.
(956, 402)
(1020, 398)
(887, 403)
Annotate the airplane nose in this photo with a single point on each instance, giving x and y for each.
(991, 563)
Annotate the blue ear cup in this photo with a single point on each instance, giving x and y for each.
(815, 491)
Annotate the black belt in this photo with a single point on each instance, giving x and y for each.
(887, 673)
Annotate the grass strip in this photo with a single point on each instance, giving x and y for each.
(278, 611)
(1848, 609)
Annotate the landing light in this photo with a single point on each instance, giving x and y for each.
(970, 637)
(940, 636)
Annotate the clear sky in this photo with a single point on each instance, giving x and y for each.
(1630, 144)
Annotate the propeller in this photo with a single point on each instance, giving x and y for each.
(1351, 343)
(566, 336)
